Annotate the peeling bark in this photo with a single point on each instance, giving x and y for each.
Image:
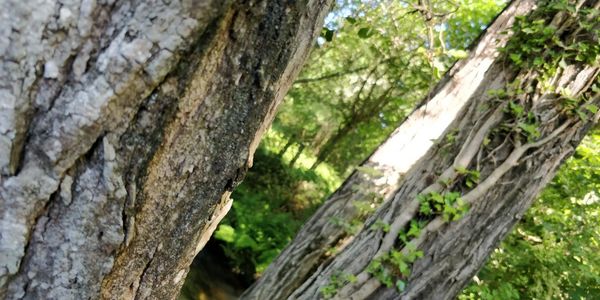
(124, 126)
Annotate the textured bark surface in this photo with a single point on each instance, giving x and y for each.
(124, 126)
(513, 169)
(385, 167)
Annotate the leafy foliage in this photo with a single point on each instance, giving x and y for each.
(393, 268)
(374, 62)
(449, 205)
(268, 208)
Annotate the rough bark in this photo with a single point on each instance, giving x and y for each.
(513, 167)
(124, 126)
(385, 168)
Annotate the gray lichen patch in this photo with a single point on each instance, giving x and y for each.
(65, 109)
(73, 244)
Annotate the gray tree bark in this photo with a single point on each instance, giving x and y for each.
(124, 126)
(381, 174)
(482, 137)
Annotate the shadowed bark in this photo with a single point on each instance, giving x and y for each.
(124, 127)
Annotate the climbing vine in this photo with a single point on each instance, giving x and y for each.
(557, 39)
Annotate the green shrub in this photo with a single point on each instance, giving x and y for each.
(268, 209)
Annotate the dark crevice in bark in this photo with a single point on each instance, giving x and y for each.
(146, 268)
(138, 144)
(52, 207)
(35, 112)
(99, 34)
(26, 252)
(158, 106)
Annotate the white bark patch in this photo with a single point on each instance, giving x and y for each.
(65, 189)
(65, 17)
(138, 50)
(179, 276)
(51, 70)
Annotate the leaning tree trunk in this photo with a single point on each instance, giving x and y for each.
(124, 126)
(461, 198)
(380, 175)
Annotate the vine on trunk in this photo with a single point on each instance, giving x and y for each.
(556, 39)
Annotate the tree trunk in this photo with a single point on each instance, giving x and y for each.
(485, 139)
(381, 174)
(331, 142)
(124, 127)
(297, 155)
(289, 143)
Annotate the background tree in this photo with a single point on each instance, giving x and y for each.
(541, 89)
(528, 51)
(343, 214)
(375, 61)
(274, 200)
(124, 128)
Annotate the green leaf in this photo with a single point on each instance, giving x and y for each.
(461, 170)
(582, 115)
(530, 130)
(436, 197)
(592, 108)
(351, 278)
(425, 208)
(562, 64)
(528, 30)
(245, 241)
(365, 32)
(400, 285)
(327, 34)
(458, 54)
(380, 224)
(516, 109)
(225, 233)
(414, 229)
(516, 58)
(403, 267)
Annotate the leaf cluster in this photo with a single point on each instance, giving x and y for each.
(449, 205)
